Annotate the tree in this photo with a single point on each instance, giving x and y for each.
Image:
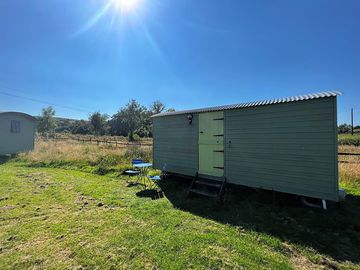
(47, 121)
(128, 119)
(81, 127)
(157, 107)
(344, 128)
(98, 123)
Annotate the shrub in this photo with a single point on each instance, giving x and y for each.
(137, 152)
(136, 138)
(109, 160)
(348, 139)
(344, 128)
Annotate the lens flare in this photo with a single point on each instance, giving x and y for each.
(126, 5)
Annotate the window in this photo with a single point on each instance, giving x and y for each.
(15, 126)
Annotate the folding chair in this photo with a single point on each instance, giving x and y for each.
(132, 172)
(155, 179)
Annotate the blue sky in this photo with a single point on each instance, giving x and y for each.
(90, 55)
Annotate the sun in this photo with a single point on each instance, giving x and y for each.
(127, 6)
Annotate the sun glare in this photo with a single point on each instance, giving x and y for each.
(126, 5)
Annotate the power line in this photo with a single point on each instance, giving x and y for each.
(41, 101)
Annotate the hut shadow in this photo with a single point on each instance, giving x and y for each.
(149, 193)
(4, 159)
(335, 232)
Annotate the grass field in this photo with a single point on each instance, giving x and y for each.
(99, 159)
(59, 211)
(348, 139)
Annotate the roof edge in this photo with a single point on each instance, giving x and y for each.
(317, 95)
(21, 114)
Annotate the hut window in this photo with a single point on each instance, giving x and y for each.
(15, 126)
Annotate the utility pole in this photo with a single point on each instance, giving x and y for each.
(352, 121)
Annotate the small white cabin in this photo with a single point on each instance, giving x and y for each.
(17, 132)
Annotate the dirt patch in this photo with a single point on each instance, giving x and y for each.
(302, 263)
(67, 256)
(329, 264)
(5, 208)
(33, 243)
(87, 203)
(41, 180)
(297, 260)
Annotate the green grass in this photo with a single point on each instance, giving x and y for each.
(348, 139)
(52, 218)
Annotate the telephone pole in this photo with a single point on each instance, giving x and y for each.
(352, 121)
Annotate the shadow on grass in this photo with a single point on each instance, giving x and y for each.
(335, 232)
(149, 193)
(4, 159)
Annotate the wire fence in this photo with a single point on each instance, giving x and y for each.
(98, 141)
(122, 142)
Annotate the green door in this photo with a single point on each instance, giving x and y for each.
(211, 143)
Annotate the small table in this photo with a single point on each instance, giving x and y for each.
(144, 168)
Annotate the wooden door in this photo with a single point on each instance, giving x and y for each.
(211, 143)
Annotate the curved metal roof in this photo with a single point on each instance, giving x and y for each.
(256, 103)
(20, 114)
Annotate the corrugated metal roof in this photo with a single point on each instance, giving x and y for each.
(256, 103)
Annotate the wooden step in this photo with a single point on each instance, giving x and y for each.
(204, 193)
(208, 183)
(211, 177)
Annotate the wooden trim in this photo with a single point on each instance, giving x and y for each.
(336, 160)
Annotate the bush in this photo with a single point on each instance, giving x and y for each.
(344, 128)
(136, 138)
(109, 160)
(137, 152)
(348, 139)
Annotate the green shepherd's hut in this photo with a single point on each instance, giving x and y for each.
(287, 145)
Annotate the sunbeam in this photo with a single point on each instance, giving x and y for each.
(90, 23)
(114, 8)
(126, 6)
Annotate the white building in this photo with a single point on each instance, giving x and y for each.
(17, 132)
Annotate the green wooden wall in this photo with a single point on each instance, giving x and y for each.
(176, 144)
(290, 147)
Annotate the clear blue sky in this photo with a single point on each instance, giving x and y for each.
(91, 55)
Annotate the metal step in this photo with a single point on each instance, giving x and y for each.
(208, 183)
(204, 193)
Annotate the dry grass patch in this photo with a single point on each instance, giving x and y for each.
(349, 166)
(100, 159)
(52, 151)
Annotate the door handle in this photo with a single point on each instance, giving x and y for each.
(229, 144)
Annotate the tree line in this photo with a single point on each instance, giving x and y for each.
(345, 128)
(133, 121)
